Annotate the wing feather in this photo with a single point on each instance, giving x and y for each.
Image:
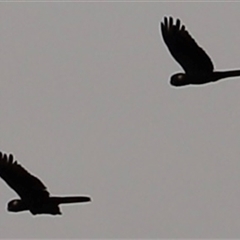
(25, 184)
(184, 49)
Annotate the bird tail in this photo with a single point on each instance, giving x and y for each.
(225, 74)
(60, 200)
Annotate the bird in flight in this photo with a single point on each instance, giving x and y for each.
(34, 196)
(196, 63)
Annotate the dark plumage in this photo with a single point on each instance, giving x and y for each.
(34, 195)
(196, 63)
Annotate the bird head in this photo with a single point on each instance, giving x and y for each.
(179, 79)
(16, 205)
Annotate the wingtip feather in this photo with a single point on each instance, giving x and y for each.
(178, 23)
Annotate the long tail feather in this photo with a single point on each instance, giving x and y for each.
(226, 74)
(60, 200)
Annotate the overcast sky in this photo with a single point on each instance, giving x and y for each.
(86, 106)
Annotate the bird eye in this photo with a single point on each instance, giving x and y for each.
(179, 80)
(15, 203)
(180, 76)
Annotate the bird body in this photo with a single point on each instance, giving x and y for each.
(48, 205)
(196, 63)
(34, 196)
(181, 79)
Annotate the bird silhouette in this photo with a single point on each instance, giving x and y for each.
(34, 195)
(196, 63)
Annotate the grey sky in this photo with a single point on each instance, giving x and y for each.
(86, 105)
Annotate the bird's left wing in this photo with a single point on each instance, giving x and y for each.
(184, 48)
(25, 184)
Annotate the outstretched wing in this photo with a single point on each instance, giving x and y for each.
(26, 185)
(184, 49)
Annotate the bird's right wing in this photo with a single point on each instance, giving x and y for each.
(25, 184)
(184, 49)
